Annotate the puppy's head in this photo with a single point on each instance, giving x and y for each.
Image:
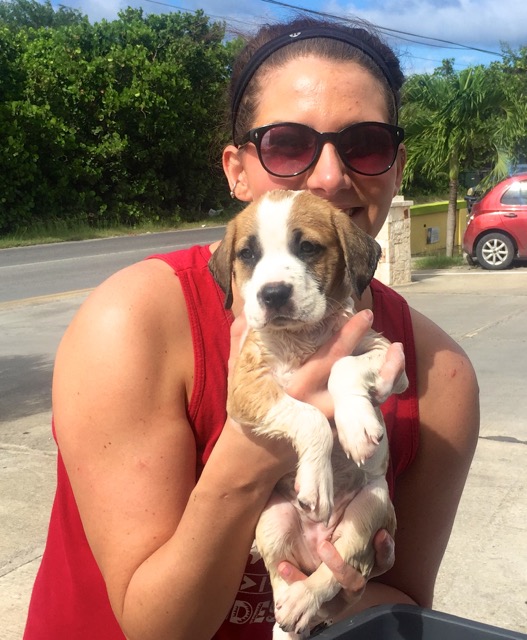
(295, 258)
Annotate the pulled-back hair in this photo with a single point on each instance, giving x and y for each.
(356, 42)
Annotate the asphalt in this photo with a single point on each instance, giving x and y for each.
(484, 573)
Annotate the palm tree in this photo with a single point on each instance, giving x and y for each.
(449, 116)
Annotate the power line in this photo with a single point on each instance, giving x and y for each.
(245, 23)
(226, 19)
(399, 33)
(211, 15)
(185, 10)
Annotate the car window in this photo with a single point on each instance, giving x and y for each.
(516, 194)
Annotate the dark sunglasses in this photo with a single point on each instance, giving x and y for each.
(287, 149)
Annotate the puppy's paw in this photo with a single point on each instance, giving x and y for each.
(315, 492)
(295, 608)
(360, 429)
(280, 634)
(363, 561)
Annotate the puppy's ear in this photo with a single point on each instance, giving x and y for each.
(361, 252)
(221, 261)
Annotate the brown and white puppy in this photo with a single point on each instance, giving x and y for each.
(297, 261)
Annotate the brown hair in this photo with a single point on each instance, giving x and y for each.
(271, 48)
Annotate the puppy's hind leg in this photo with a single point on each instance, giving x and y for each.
(300, 606)
(277, 537)
(370, 511)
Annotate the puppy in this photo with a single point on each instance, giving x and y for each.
(297, 262)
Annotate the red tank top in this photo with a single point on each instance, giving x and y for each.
(69, 599)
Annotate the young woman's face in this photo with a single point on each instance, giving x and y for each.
(327, 96)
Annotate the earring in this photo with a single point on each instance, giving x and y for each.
(233, 190)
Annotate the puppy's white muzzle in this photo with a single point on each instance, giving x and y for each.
(282, 292)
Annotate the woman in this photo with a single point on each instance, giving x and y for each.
(140, 386)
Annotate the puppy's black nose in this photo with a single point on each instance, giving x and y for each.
(275, 294)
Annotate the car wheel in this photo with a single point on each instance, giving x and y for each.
(495, 251)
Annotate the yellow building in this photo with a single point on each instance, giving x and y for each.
(428, 227)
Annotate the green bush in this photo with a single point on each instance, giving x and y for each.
(112, 123)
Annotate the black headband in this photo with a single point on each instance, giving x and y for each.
(311, 32)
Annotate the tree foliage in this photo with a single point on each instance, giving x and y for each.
(29, 13)
(454, 118)
(511, 130)
(115, 122)
(122, 121)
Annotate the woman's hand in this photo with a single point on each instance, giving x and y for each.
(353, 583)
(310, 382)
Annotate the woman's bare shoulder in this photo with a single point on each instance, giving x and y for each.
(146, 287)
(447, 384)
(130, 336)
(140, 304)
(440, 359)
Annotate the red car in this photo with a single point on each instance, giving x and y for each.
(497, 230)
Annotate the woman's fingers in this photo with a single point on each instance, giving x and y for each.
(390, 372)
(311, 379)
(348, 337)
(351, 580)
(289, 573)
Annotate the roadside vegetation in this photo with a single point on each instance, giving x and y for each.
(64, 231)
(438, 262)
(117, 127)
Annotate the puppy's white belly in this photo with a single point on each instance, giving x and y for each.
(299, 534)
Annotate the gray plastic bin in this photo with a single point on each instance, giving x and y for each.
(406, 622)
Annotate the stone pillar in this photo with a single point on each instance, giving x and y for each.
(395, 265)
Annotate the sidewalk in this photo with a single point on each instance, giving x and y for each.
(484, 573)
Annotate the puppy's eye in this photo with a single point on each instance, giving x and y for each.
(246, 254)
(249, 251)
(308, 248)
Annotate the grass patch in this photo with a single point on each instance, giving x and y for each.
(427, 198)
(438, 262)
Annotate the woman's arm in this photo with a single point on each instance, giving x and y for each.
(172, 552)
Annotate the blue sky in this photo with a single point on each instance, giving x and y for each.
(478, 24)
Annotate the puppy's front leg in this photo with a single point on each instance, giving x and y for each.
(310, 433)
(258, 400)
(356, 387)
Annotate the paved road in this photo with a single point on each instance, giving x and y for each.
(484, 574)
(486, 312)
(41, 270)
(40, 288)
